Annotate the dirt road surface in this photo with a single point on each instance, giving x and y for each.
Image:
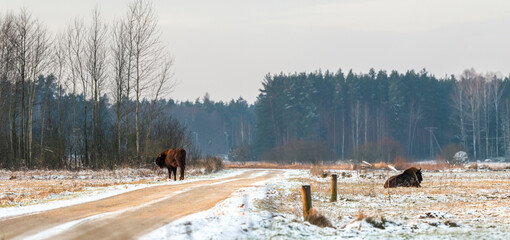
(132, 214)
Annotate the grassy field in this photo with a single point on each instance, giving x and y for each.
(32, 186)
(450, 203)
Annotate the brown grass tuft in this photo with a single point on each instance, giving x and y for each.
(318, 170)
(317, 219)
(451, 224)
(361, 215)
(376, 223)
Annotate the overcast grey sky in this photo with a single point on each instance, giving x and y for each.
(226, 47)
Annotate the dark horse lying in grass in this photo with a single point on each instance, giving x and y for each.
(411, 177)
(171, 159)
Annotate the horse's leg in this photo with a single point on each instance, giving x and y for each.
(182, 172)
(174, 169)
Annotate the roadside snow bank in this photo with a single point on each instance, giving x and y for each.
(244, 215)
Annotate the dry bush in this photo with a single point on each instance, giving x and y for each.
(318, 171)
(380, 165)
(317, 219)
(346, 175)
(400, 163)
(212, 164)
(473, 166)
(240, 154)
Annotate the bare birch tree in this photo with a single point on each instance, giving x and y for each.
(59, 66)
(459, 105)
(120, 55)
(497, 92)
(472, 97)
(96, 52)
(146, 52)
(31, 47)
(77, 65)
(163, 85)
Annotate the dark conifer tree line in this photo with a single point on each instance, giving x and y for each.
(378, 116)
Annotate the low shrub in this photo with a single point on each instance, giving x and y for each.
(318, 171)
(212, 164)
(317, 219)
(400, 163)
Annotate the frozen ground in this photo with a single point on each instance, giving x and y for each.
(456, 204)
(94, 186)
(452, 204)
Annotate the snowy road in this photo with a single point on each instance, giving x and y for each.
(128, 215)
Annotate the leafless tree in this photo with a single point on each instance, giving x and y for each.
(8, 72)
(487, 108)
(497, 92)
(460, 106)
(77, 64)
(473, 96)
(82, 60)
(163, 85)
(120, 55)
(96, 52)
(61, 71)
(145, 52)
(31, 46)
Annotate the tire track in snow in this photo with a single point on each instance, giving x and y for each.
(136, 222)
(12, 227)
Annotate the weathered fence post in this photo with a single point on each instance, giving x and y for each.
(306, 194)
(334, 178)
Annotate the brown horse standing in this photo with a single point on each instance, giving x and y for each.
(171, 159)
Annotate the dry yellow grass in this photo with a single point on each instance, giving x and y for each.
(19, 187)
(479, 199)
(401, 165)
(342, 166)
(23, 191)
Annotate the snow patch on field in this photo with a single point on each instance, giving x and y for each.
(450, 204)
(439, 210)
(241, 216)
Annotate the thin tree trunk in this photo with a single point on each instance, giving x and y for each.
(366, 123)
(42, 131)
(74, 127)
(343, 136)
(12, 120)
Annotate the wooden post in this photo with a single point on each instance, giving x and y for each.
(334, 178)
(306, 194)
